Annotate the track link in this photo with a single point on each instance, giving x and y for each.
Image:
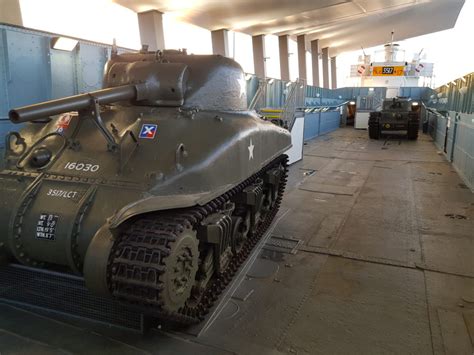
(137, 259)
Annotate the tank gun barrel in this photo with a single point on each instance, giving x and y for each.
(74, 103)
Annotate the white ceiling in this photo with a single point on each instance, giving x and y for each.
(341, 25)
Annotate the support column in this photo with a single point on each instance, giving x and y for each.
(325, 56)
(284, 57)
(220, 42)
(259, 55)
(315, 61)
(10, 12)
(150, 24)
(301, 42)
(333, 73)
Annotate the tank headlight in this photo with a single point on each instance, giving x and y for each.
(40, 157)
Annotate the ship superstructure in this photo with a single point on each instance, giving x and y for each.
(389, 68)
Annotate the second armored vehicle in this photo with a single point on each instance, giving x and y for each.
(398, 114)
(154, 189)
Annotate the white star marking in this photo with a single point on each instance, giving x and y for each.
(250, 148)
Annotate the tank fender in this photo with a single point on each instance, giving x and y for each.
(96, 260)
(150, 203)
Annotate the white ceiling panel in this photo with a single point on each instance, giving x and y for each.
(341, 25)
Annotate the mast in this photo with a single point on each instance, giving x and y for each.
(391, 46)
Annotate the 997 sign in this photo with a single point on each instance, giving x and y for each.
(388, 70)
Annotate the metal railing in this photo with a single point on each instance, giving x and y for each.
(450, 115)
(457, 95)
(259, 99)
(453, 134)
(294, 100)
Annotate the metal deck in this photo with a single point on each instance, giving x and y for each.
(372, 254)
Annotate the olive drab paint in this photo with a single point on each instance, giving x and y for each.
(168, 131)
(398, 114)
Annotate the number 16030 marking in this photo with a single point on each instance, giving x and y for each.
(81, 166)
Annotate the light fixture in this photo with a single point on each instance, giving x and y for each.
(371, 89)
(415, 103)
(463, 79)
(288, 84)
(352, 103)
(454, 83)
(63, 43)
(248, 77)
(271, 81)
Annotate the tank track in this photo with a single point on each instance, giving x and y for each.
(136, 260)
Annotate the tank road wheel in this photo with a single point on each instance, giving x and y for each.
(272, 185)
(240, 230)
(181, 266)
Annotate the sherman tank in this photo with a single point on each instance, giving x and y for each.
(398, 114)
(154, 189)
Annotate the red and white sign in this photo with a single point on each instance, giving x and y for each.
(361, 69)
(64, 120)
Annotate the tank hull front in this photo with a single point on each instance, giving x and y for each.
(49, 216)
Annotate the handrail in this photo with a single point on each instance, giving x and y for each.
(259, 94)
(295, 99)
